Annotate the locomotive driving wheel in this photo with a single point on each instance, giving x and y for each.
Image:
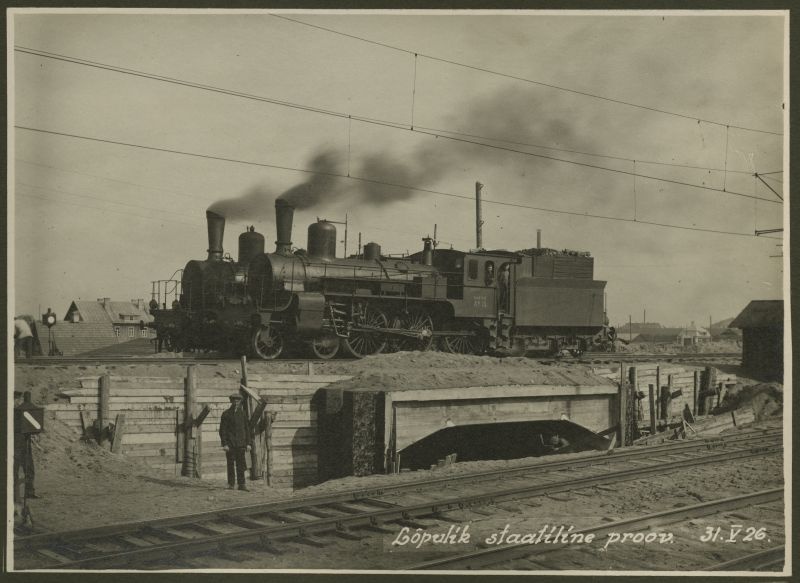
(462, 344)
(267, 342)
(325, 345)
(418, 322)
(365, 342)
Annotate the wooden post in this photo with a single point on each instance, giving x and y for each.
(695, 392)
(119, 432)
(652, 402)
(633, 377)
(664, 399)
(180, 436)
(622, 406)
(103, 413)
(198, 461)
(250, 406)
(658, 381)
(709, 389)
(189, 446)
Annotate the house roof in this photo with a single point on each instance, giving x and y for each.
(89, 311)
(117, 309)
(760, 314)
(77, 338)
(108, 312)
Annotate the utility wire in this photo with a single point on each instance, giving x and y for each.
(107, 210)
(345, 116)
(581, 152)
(145, 186)
(139, 206)
(381, 182)
(524, 79)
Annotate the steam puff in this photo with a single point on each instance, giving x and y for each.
(321, 186)
(256, 203)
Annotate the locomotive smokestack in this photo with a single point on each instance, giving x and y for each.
(284, 214)
(538, 238)
(216, 229)
(478, 216)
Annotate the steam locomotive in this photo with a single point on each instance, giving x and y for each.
(265, 304)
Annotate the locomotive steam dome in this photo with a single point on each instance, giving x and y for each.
(322, 240)
(251, 244)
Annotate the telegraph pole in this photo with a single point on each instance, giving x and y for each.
(478, 216)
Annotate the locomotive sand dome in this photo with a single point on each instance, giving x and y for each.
(467, 302)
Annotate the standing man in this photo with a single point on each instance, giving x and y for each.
(503, 281)
(23, 453)
(234, 432)
(23, 338)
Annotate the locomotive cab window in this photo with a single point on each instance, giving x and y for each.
(473, 269)
(489, 274)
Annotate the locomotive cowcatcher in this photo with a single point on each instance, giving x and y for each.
(503, 302)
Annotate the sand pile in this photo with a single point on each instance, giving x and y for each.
(424, 370)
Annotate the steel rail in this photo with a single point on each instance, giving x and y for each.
(493, 556)
(260, 533)
(758, 561)
(594, 459)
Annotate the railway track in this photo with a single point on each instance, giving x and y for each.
(349, 515)
(588, 358)
(530, 556)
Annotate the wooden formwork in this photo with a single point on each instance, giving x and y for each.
(154, 428)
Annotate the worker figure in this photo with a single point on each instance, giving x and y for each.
(503, 281)
(23, 338)
(234, 432)
(489, 273)
(153, 305)
(23, 453)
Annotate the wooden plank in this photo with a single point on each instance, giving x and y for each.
(501, 392)
(163, 437)
(119, 433)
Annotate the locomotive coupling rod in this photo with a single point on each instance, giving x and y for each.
(392, 331)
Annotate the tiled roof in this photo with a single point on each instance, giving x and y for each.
(90, 312)
(111, 311)
(77, 338)
(117, 309)
(760, 314)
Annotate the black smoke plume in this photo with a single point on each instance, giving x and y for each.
(383, 176)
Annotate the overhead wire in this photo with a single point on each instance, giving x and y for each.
(107, 210)
(176, 193)
(524, 79)
(60, 191)
(354, 117)
(381, 182)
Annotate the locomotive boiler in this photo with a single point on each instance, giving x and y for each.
(267, 304)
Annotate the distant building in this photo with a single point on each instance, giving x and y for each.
(631, 329)
(658, 336)
(91, 326)
(692, 335)
(761, 323)
(688, 336)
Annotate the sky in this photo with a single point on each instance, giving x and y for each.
(575, 115)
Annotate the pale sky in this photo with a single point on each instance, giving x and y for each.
(95, 219)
